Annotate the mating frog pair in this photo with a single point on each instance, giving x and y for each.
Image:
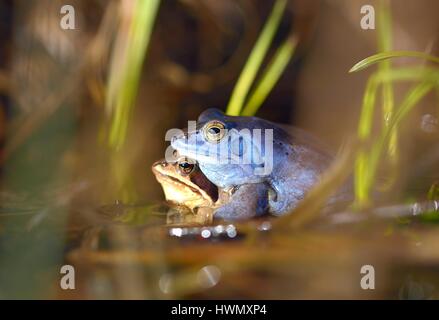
(185, 184)
(236, 189)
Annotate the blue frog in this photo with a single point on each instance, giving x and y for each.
(270, 167)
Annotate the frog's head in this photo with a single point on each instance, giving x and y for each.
(184, 184)
(229, 149)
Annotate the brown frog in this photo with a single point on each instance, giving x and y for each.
(184, 184)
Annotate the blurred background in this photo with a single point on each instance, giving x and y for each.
(84, 112)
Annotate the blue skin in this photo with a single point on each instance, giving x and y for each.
(297, 163)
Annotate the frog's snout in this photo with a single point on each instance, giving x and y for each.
(179, 139)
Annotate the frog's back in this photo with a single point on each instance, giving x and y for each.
(297, 136)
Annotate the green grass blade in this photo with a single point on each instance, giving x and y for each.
(385, 45)
(408, 74)
(365, 63)
(387, 96)
(368, 166)
(270, 76)
(361, 185)
(364, 131)
(412, 98)
(254, 61)
(367, 110)
(126, 66)
(384, 27)
(409, 102)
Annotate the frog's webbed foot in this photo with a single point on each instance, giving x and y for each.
(247, 201)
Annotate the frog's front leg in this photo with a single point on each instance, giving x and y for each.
(247, 201)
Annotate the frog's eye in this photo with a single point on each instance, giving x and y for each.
(214, 131)
(185, 167)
